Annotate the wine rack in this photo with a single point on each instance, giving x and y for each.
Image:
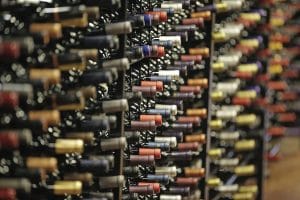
(145, 99)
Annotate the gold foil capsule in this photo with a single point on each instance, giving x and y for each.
(213, 182)
(244, 170)
(244, 145)
(63, 146)
(45, 163)
(216, 124)
(67, 187)
(246, 119)
(242, 196)
(215, 153)
(217, 95)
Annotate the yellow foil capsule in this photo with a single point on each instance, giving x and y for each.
(63, 146)
(218, 67)
(244, 145)
(250, 43)
(242, 196)
(221, 7)
(219, 36)
(215, 153)
(246, 119)
(216, 124)
(275, 22)
(244, 170)
(248, 189)
(217, 95)
(252, 68)
(275, 69)
(213, 182)
(250, 16)
(275, 46)
(247, 94)
(67, 187)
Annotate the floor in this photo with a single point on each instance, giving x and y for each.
(284, 182)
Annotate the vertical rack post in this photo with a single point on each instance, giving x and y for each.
(121, 88)
(209, 75)
(266, 123)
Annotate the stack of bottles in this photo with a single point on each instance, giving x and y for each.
(144, 99)
(237, 126)
(165, 127)
(60, 129)
(283, 80)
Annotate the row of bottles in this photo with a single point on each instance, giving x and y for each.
(165, 125)
(143, 99)
(61, 102)
(235, 156)
(283, 76)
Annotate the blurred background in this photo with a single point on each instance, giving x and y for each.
(283, 175)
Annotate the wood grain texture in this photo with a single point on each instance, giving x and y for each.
(284, 182)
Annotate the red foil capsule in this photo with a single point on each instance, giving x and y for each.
(290, 73)
(160, 51)
(280, 38)
(286, 117)
(158, 84)
(143, 125)
(9, 140)
(157, 118)
(243, 75)
(157, 51)
(194, 89)
(147, 91)
(197, 21)
(9, 50)
(141, 189)
(288, 96)
(273, 157)
(261, 101)
(9, 100)
(196, 58)
(147, 160)
(277, 85)
(241, 101)
(245, 50)
(189, 119)
(187, 181)
(188, 146)
(276, 131)
(264, 53)
(246, 23)
(277, 108)
(162, 15)
(281, 61)
(156, 186)
(8, 194)
(262, 78)
(147, 152)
